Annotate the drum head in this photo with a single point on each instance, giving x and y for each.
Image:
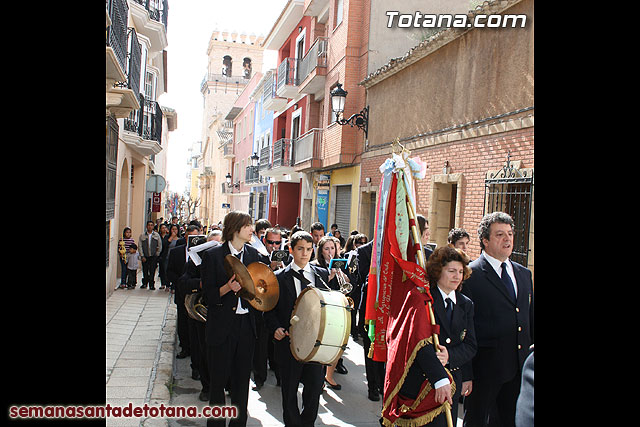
(305, 332)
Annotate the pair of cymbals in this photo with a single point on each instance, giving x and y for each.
(259, 284)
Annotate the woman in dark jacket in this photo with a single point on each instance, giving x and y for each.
(447, 269)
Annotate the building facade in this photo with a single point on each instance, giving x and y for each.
(462, 101)
(232, 60)
(314, 170)
(137, 126)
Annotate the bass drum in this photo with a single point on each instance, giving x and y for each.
(320, 326)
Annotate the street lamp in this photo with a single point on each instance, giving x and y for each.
(338, 99)
(254, 159)
(229, 185)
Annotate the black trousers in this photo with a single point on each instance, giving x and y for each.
(231, 361)
(260, 352)
(182, 321)
(197, 349)
(149, 270)
(292, 373)
(489, 400)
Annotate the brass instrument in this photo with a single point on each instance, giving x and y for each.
(195, 307)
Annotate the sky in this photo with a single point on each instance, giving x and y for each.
(189, 28)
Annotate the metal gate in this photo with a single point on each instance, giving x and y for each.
(511, 191)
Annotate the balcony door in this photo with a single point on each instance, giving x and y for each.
(299, 55)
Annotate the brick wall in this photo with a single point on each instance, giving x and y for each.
(473, 158)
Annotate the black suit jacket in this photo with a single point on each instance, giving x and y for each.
(364, 263)
(460, 337)
(280, 316)
(175, 268)
(220, 310)
(504, 330)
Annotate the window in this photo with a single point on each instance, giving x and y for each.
(226, 66)
(246, 66)
(339, 10)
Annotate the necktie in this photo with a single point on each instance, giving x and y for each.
(243, 304)
(300, 276)
(449, 311)
(508, 283)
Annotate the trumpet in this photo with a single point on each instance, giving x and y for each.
(345, 287)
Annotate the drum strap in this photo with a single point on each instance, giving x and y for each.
(300, 276)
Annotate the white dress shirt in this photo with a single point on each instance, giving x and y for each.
(234, 252)
(497, 266)
(308, 274)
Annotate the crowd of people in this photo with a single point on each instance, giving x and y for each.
(484, 308)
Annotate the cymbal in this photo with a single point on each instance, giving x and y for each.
(234, 266)
(259, 283)
(266, 288)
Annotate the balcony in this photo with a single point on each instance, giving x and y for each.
(214, 79)
(227, 150)
(282, 159)
(307, 150)
(252, 176)
(287, 82)
(150, 18)
(143, 128)
(265, 159)
(123, 58)
(313, 69)
(269, 98)
(315, 7)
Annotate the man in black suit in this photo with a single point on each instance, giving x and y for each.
(231, 321)
(374, 370)
(292, 280)
(502, 294)
(175, 268)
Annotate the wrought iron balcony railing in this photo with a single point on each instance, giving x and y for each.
(265, 158)
(288, 72)
(147, 121)
(134, 63)
(117, 31)
(252, 175)
(282, 153)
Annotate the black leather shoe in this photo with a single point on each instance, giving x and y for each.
(182, 355)
(373, 395)
(257, 387)
(335, 386)
(340, 368)
(195, 374)
(203, 396)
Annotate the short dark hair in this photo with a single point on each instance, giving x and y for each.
(456, 234)
(234, 221)
(317, 226)
(298, 236)
(422, 223)
(192, 227)
(441, 257)
(334, 225)
(261, 224)
(484, 228)
(133, 246)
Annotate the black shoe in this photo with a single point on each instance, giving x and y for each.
(195, 374)
(278, 382)
(143, 286)
(152, 288)
(373, 395)
(340, 368)
(203, 396)
(182, 354)
(257, 387)
(335, 386)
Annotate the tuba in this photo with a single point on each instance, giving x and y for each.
(196, 309)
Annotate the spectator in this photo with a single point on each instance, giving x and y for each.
(149, 246)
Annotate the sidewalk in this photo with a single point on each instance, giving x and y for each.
(141, 336)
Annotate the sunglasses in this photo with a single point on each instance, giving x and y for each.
(273, 242)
